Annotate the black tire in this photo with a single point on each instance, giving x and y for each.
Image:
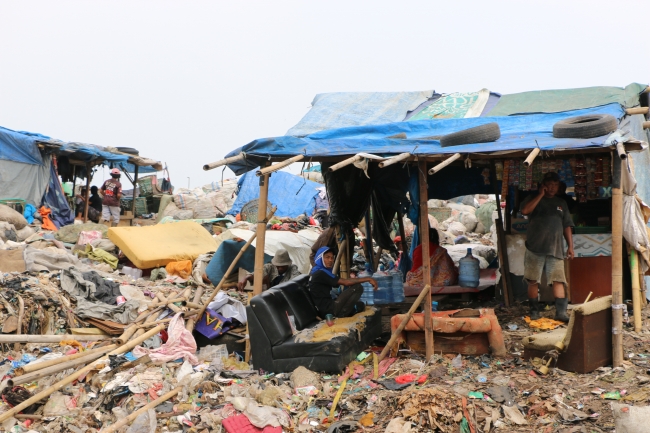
(129, 150)
(479, 134)
(594, 125)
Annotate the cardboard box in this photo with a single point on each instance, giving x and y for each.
(519, 225)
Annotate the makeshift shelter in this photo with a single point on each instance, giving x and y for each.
(368, 162)
(31, 163)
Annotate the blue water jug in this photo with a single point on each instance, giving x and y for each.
(368, 296)
(397, 286)
(384, 294)
(468, 270)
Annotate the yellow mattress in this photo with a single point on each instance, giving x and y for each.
(154, 246)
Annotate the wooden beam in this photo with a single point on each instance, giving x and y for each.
(402, 232)
(426, 264)
(224, 161)
(88, 175)
(276, 167)
(617, 271)
(337, 262)
(445, 163)
(531, 157)
(135, 190)
(636, 110)
(620, 149)
(258, 275)
(501, 243)
(394, 159)
(345, 162)
(636, 289)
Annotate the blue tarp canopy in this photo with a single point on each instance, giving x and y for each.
(90, 152)
(20, 146)
(517, 133)
(293, 195)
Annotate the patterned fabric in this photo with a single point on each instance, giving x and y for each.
(455, 106)
(443, 270)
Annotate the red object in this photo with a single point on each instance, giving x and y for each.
(408, 378)
(164, 336)
(397, 239)
(241, 424)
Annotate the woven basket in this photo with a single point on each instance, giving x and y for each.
(249, 211)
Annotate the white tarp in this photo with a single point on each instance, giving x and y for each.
(24, 181)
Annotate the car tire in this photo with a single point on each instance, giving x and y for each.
(479, 134)
(589, 126)
(129, 150)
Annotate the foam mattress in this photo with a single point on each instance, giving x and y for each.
(155, 246)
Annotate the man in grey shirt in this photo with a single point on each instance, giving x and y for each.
(549, 225)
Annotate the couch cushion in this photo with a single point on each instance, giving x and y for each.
(333, 347)
(298, 299)
(272, 309)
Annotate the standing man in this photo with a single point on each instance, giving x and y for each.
(549, 222)
(280, 270)
(112, 192)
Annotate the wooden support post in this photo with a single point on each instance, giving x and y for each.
(344, 268)
(426, 264)
(272, 168)
(501, 242)
(394, 160)
(224, 161)
(345, 162)
(135, 195)
(370, 252)
(637, 110)
(531, 157)
(375, 263)
(402, 232)
(617, 268)
(636, 289)
(425, 292)
(258, 275)
(74, 187)
(88, 169)
(445, 163)
(337, 263)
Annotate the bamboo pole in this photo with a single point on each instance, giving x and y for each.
(150, 319)
(617, 271)
(88, 169)
(273, 168)
(426, 264)
(502, 250)
(425, 292)
(531, 157)
(445, 163)
(637, 110)
(27, 338)
(258, 274)
(636, 290)
(230, 269)
(224, 161)
(197, 299)
(35, 366)
(21, 314)
(402, 232)
(74, 376)
(125, 421)
(337, 262)
(166, 302)
(394, 160)
(47, 371)
(620, 149)
(345, 162)
(646, 125)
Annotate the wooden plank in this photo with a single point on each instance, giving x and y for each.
(426, 264)
(258, 274)
(617, 270)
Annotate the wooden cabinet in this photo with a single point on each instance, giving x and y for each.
(589, 274)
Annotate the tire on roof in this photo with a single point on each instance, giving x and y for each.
(129, 150)
(479, 134)
(589, 126)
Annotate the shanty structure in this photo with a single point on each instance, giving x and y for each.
(384, 150)
(31, 163)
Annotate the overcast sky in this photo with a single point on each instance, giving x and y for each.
(186, 82)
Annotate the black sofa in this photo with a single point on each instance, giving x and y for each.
(273, 346)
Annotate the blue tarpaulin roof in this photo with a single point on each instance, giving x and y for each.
(20, 146)
(517, 133)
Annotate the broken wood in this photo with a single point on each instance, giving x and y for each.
(34, 366)
(21, 314)
(189, 325)
(426, 256)
(224, 161)
(393, 338)
(169, 304)
(445, 163)
(272, 168)
(337, 263)
(35, 375)
(74, 376)
(27, 338)
(125, 421)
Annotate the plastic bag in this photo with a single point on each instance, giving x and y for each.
(88, 236)
(144, 423)
(182, 268)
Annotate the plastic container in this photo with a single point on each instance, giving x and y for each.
(397, 286)
(368, 296)
(384, 294)
(134, 273)
(468, 270)
(434, 305)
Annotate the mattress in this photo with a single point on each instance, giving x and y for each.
(155, 246)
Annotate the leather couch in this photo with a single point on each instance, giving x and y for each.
(273, 345)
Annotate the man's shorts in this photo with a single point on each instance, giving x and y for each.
(534, 265)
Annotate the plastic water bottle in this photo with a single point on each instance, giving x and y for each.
(397, 286)
(434, 305)
(384, 293)
(368, 296)
(468, 270)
